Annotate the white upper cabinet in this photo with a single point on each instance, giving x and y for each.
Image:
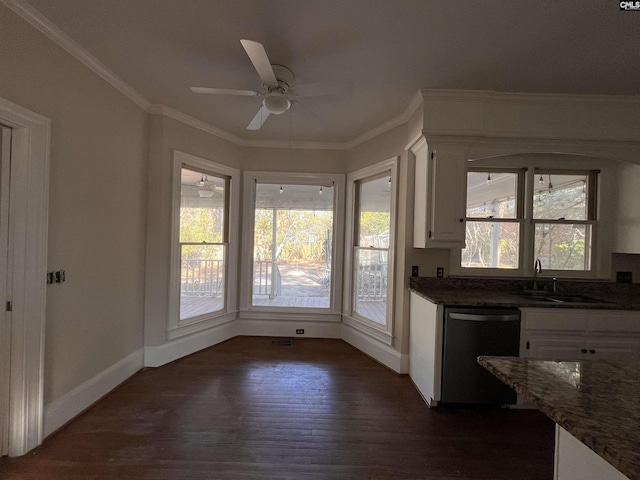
(440, 196)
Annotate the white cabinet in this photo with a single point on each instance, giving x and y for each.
(554, 346)
(440, 196)
(570, 334)
(425, 347)
(575, 461)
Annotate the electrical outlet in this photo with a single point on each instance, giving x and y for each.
(440, 272)
(299, 331)
(415, 271)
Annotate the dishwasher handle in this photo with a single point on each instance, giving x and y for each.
(479, 317)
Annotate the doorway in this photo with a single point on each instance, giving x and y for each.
(25, 213)
(293, 240)
(5, 319)
(294, 226)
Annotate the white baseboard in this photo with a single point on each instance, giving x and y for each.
(175, 349)
(63, 409)
(375, 349)
(287, 328)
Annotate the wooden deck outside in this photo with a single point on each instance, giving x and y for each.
(194, 306)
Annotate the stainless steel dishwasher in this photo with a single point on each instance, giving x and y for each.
(469, 333)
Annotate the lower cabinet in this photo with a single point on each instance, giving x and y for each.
(425, 348)
(559, 347)
(575, 461)
(580, 334)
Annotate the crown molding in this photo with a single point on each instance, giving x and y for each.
(195, 123)
(393, 123)
(44, 25)
(205, 127)
(426, 94)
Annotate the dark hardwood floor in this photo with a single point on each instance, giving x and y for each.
(317, 409)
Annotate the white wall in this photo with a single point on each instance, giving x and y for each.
(97, 205)
(627, 213)
(294, 160)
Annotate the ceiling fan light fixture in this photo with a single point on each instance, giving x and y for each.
(276, 103)
(205, 193)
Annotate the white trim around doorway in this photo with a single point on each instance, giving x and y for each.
(28, 223)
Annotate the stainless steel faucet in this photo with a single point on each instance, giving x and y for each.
(537, 268)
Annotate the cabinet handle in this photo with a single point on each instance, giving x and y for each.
(584, 350)
(528, 346)
(592, 351)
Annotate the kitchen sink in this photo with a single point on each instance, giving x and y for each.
(571, 299)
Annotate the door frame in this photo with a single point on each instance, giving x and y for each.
(27, 242)
(251, 312)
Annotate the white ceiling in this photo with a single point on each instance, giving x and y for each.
(384, 50)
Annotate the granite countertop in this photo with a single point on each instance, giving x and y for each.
(597, 401)
(476, 292)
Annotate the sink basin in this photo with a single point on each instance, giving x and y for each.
(573, 299)
(539, 296)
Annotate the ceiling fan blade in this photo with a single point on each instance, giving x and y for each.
(261, 63)
(318, 89)
(259, 119)
(225, 91)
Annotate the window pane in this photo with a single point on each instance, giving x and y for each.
(491, 245)
(375, 213)
(293, 237)
(563, 246)
(560, 196)
(370, 299)
(491, 195)
(201, 279)
(202, 205)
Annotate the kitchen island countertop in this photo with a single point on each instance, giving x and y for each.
(598, 402)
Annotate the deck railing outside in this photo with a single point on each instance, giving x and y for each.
(372, 282)
(202, 278)
(266, 278)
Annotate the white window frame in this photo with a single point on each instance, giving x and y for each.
(249, 311)
(591, 220)
(176, 327)
(527, 227)
(383, 333)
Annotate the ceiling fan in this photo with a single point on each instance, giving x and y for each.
(277, 90)
(206, 188)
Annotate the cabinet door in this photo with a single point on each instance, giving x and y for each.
(613, 348)
(449, 186)
(440, 196)
(555, 347)
(425, 348)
